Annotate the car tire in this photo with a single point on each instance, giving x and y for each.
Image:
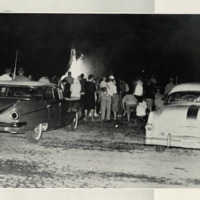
(74, 122)
(35, 135)
(160, 148)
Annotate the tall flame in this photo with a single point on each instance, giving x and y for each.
(86, 64)
(77, 65)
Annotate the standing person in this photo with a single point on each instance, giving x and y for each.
(103, 83)
(149, 95)
(103, 88)
(139, 90)
(21, 76)
(6, 76)
(82, 82)
(158, 99)
(153, 80)
(112, 91)
(124, 89)
(122, 86)
(97, 96)
(75, 89)
(105, 102)
(66, 81)
(169, 86)
(89, 102)
(68, 77)
(65, 88)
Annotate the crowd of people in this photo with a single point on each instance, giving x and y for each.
(108, 97)
(113, 98)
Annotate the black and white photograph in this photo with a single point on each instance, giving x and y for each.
(99, 100)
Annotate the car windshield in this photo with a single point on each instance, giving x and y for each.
(178, 97)
(21, 92)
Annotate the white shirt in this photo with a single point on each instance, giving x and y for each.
(141, 109)
(111, 88)
(5, 77)
(75, 89)
(103, 84)
(139, 89)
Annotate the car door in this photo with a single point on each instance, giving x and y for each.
(65, 110)
(53, 104)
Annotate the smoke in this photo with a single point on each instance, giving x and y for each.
(95, 65)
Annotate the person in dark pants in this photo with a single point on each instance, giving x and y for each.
(66, 88)
(138, 93)
(89, 100)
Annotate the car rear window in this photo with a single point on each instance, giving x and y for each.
(178, 97)
(21, 92)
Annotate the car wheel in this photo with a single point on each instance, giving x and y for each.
(34, 136)
(160, 148)
(74, 122)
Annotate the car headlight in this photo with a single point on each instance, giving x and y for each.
(149, 127)
(14, 115)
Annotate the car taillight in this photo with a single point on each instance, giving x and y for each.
(14, 115)
(149, 127)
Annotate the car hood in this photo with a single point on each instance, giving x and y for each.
(7, 103)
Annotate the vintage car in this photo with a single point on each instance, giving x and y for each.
(34, 107)
(177, 123)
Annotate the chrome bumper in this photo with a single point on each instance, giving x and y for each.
(12, 127)
(191, 143)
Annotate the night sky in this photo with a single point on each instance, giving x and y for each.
(122, 44)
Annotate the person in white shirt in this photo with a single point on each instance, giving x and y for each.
(138, 93)
(75, 89)
(141, 111)
(112, 91)
(107, 91)
(6, 76)
(103, 83)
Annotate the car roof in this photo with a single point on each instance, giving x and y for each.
(26, 83)
(186, 87)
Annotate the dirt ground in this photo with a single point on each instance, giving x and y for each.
(95, 157)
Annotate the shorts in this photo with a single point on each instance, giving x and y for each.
(129, 107)
(139, 98)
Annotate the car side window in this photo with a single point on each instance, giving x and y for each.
(48, 93)
(3, 91)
